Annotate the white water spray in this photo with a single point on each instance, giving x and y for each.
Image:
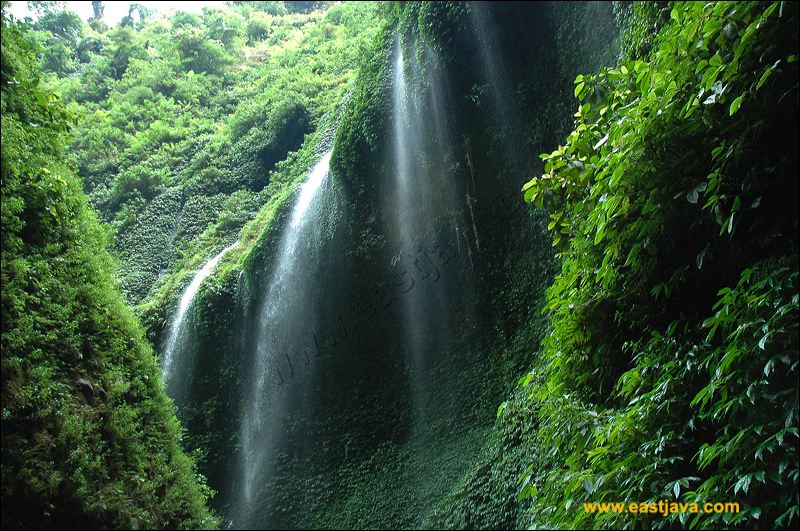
(285, 301)
(179, 320)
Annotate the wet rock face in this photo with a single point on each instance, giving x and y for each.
(85, 388)
(91, 393)
(101, 394)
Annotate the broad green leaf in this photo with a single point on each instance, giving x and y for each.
(735, 105)
(501, 408)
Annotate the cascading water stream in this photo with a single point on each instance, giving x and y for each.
(402, 147)
(178, 327)
(407, 214)
(492, 63)
(286, 303)
(424, 198)
(505, 112)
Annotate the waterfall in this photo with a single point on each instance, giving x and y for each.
(177, 329)
(424, 200)
(410, 205)
(504, 110)
(403, 148)
(286, 303)
(491, 61)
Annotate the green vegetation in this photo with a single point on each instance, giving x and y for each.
(624, 328)
(181, 121)
(89, 438)
(671, 369)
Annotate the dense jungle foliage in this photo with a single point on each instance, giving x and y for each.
(672, 366)
(464, 335)
(89, 437)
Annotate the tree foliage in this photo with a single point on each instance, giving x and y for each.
(89, 438)
(671, 369)
(193, 104)
(665, 360)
